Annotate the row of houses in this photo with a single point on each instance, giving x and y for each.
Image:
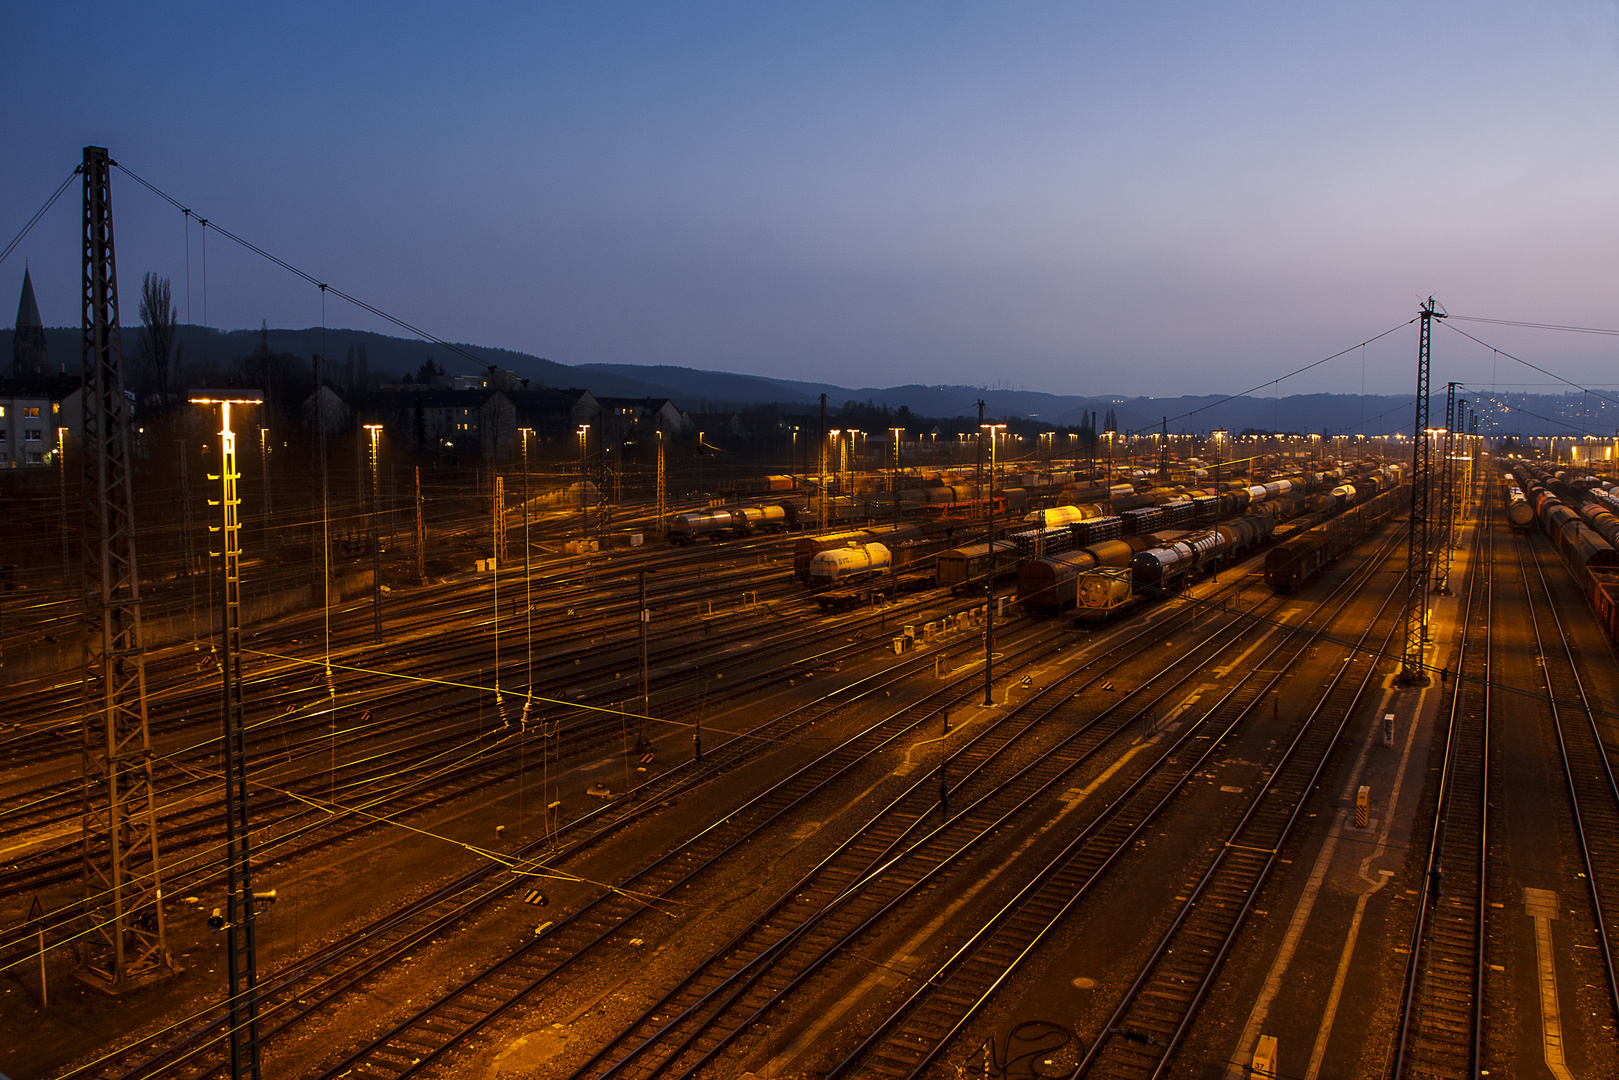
(472, 420)
(489, 420)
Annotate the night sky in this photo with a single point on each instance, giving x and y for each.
(1146, 198)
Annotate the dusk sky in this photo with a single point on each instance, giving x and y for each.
(1147, 198)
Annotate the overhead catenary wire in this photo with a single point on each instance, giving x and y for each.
(1537, 325)
(26, 229)
(1534, 366)
(1276, 382)
(1507, 406)
(323, 286)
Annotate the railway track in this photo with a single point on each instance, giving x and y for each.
(1587, 766)
(503, 984)
(1441, 1006)
(384, 1061)
(909, 1038)
(316, 982)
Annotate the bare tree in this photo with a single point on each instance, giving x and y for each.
(159, 321)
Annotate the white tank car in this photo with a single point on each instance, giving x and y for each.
(849, 563)
(1063, 515)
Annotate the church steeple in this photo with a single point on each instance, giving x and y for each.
(28, 342)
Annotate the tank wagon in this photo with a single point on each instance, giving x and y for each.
(1053, 516)
(722, 524)
(861, 573)
(1520, 515)
(1161, 569)
(1051, 584)
(852, 562)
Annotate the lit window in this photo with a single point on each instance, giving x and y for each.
(30, 412)
(56, 407)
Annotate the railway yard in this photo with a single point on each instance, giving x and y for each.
(804, 788)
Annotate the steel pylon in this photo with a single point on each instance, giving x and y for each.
(124, 943)
(1419, 543)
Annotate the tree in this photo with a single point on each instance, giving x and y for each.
(159, 322)
(429, 372)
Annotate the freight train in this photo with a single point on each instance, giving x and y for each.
(1304, 555)
(737, 522)
(1174, 564)
(1587, 541)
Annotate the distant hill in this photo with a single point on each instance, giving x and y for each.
(698, 390)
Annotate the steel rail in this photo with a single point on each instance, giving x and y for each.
(849, 902)
(1144, 1031)
(1588, 772)
(915, 1032)
(1440, 1030)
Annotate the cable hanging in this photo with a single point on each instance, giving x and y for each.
(1276, 382)
(26, 229)
(324, 287)
(1536, 367)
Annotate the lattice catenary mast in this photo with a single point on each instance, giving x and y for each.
(124, 944)
(1419, 541)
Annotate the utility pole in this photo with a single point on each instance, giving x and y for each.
(989, 534)
(1163, 451)
(375, 431)
(1446, 493)
(989, 586)
(421, 532)
(893, 557)
(820, 476)
(498, 546)
(528, 578)
(324, 559)
(646, 617)
(601, 478)
(264, 480)
(663, 506)
(124, 941)
(1417, 564)
(61, 505)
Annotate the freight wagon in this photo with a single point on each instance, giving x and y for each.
(1299, 558)
(970, 566)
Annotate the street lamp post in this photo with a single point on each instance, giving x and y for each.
(241, 903)
(375, 431)
(264, 478)
(584, 501)
(989, 584)
(528, 585)
(893, 555)
(61, 483)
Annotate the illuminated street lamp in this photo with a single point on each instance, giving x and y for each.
(375, 431)
(836, 435)
(242, 905)
(989, 583)
(61, 482)
(528, 587)
(584, 530)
